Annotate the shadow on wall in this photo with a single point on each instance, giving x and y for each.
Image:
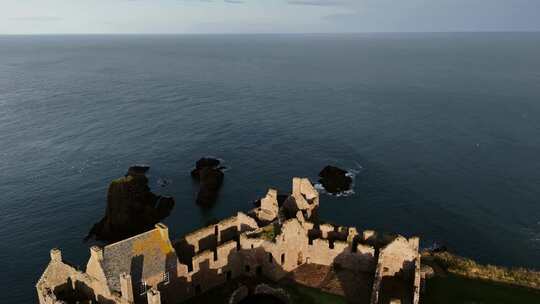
(78, 292)
(243, 267)
(186, 251)
(214, 261)
(398, 286)
(349, 274)
(249, 267)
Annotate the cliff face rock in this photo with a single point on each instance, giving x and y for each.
(335, 180)
(131, 207)
(208, 172)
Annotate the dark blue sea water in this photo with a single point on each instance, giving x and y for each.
(444, 130)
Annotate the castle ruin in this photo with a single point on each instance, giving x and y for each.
(272, 240)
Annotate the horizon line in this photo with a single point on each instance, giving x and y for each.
(260, 33)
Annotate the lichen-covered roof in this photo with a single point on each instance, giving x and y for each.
(142, 256)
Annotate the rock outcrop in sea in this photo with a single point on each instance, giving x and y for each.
(210, 176)
(335, 180)
(131, 207)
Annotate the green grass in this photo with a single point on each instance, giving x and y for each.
(306, 295)
(299, 295)
(469, 268)
(456, 290)
(268, 233)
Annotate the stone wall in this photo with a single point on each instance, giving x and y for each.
(305, 196)
(236, 246)
(62, 281)
(398, 272)
(223, 231)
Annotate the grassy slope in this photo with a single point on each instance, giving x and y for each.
(468, 268)
(456, 289)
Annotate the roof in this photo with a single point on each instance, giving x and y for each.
(144, 255)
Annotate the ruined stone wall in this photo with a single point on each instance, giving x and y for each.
(256, 255)
(47, 296)
(325, 229)
(194, 238)
(399, 254)
(331, 244)
(274, 258)
(417, 280)
(321, 253)
(94, 269)
(211, 269)
(61, 278)
(269, 208)
(306, 197)
(245, 222)
(401, 260)
(223, 231)
(292, 244)
(236, 246)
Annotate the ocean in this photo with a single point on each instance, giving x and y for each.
(442, 131)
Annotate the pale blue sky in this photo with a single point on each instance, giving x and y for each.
(266, 16)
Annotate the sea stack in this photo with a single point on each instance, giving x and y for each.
(131, 207)
(210, 176)
(335, 180)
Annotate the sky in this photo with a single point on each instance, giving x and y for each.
(265, 16)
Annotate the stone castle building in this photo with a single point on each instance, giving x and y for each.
(272, 241)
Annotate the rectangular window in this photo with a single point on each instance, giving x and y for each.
(142, 288)
(166, 278)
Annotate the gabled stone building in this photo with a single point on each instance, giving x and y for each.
(150, 268)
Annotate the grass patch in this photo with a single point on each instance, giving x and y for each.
(457, 289)
(299, 294)
(306, 295)
(268, 233)
(469, 268)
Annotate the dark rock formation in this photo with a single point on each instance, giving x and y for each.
(205, 162)
(335, 180)
(131, 207)
(208, 172)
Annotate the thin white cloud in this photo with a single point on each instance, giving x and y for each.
(37, 18)
(316, 2)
